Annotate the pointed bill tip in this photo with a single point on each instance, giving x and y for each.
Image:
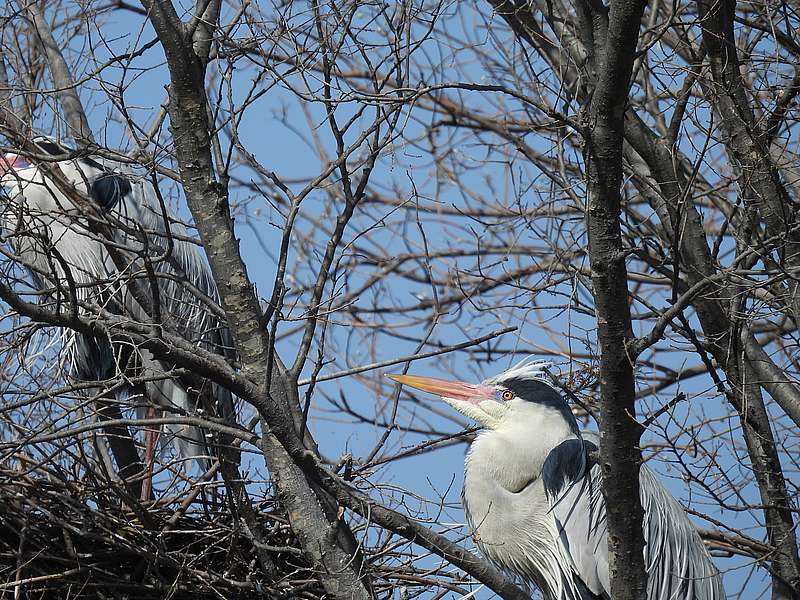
(420, 383)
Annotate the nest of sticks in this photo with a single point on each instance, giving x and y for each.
(60, 540)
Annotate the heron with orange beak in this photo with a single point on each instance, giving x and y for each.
(532, 495)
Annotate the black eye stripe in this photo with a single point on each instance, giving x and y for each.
(532, 390)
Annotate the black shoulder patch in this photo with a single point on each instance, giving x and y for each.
(48, 146)
(108, 189)
(533, 390)
(564, 465)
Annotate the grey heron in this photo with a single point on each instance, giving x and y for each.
(147, 247)
(533, 501)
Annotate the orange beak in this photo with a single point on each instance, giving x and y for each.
(457, 390)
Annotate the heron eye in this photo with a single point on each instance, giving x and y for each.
(507, 395)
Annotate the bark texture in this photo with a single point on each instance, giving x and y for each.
(620, 456)
(208, 201)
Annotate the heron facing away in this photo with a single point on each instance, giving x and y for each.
(533, 501)
(144, 268)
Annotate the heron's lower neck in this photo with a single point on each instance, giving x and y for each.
(509, 514)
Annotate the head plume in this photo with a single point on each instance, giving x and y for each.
(528, 369)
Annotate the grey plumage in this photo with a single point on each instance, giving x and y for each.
(533, 500)
(678, 565)
(56, 242)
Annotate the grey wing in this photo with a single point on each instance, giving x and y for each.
(187, 293)
(678, 565)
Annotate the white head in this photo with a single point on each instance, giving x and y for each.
(506, 400)
(523, 415)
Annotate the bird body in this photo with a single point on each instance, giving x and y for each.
(533, 500)
(499, 498)
(62, 246)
